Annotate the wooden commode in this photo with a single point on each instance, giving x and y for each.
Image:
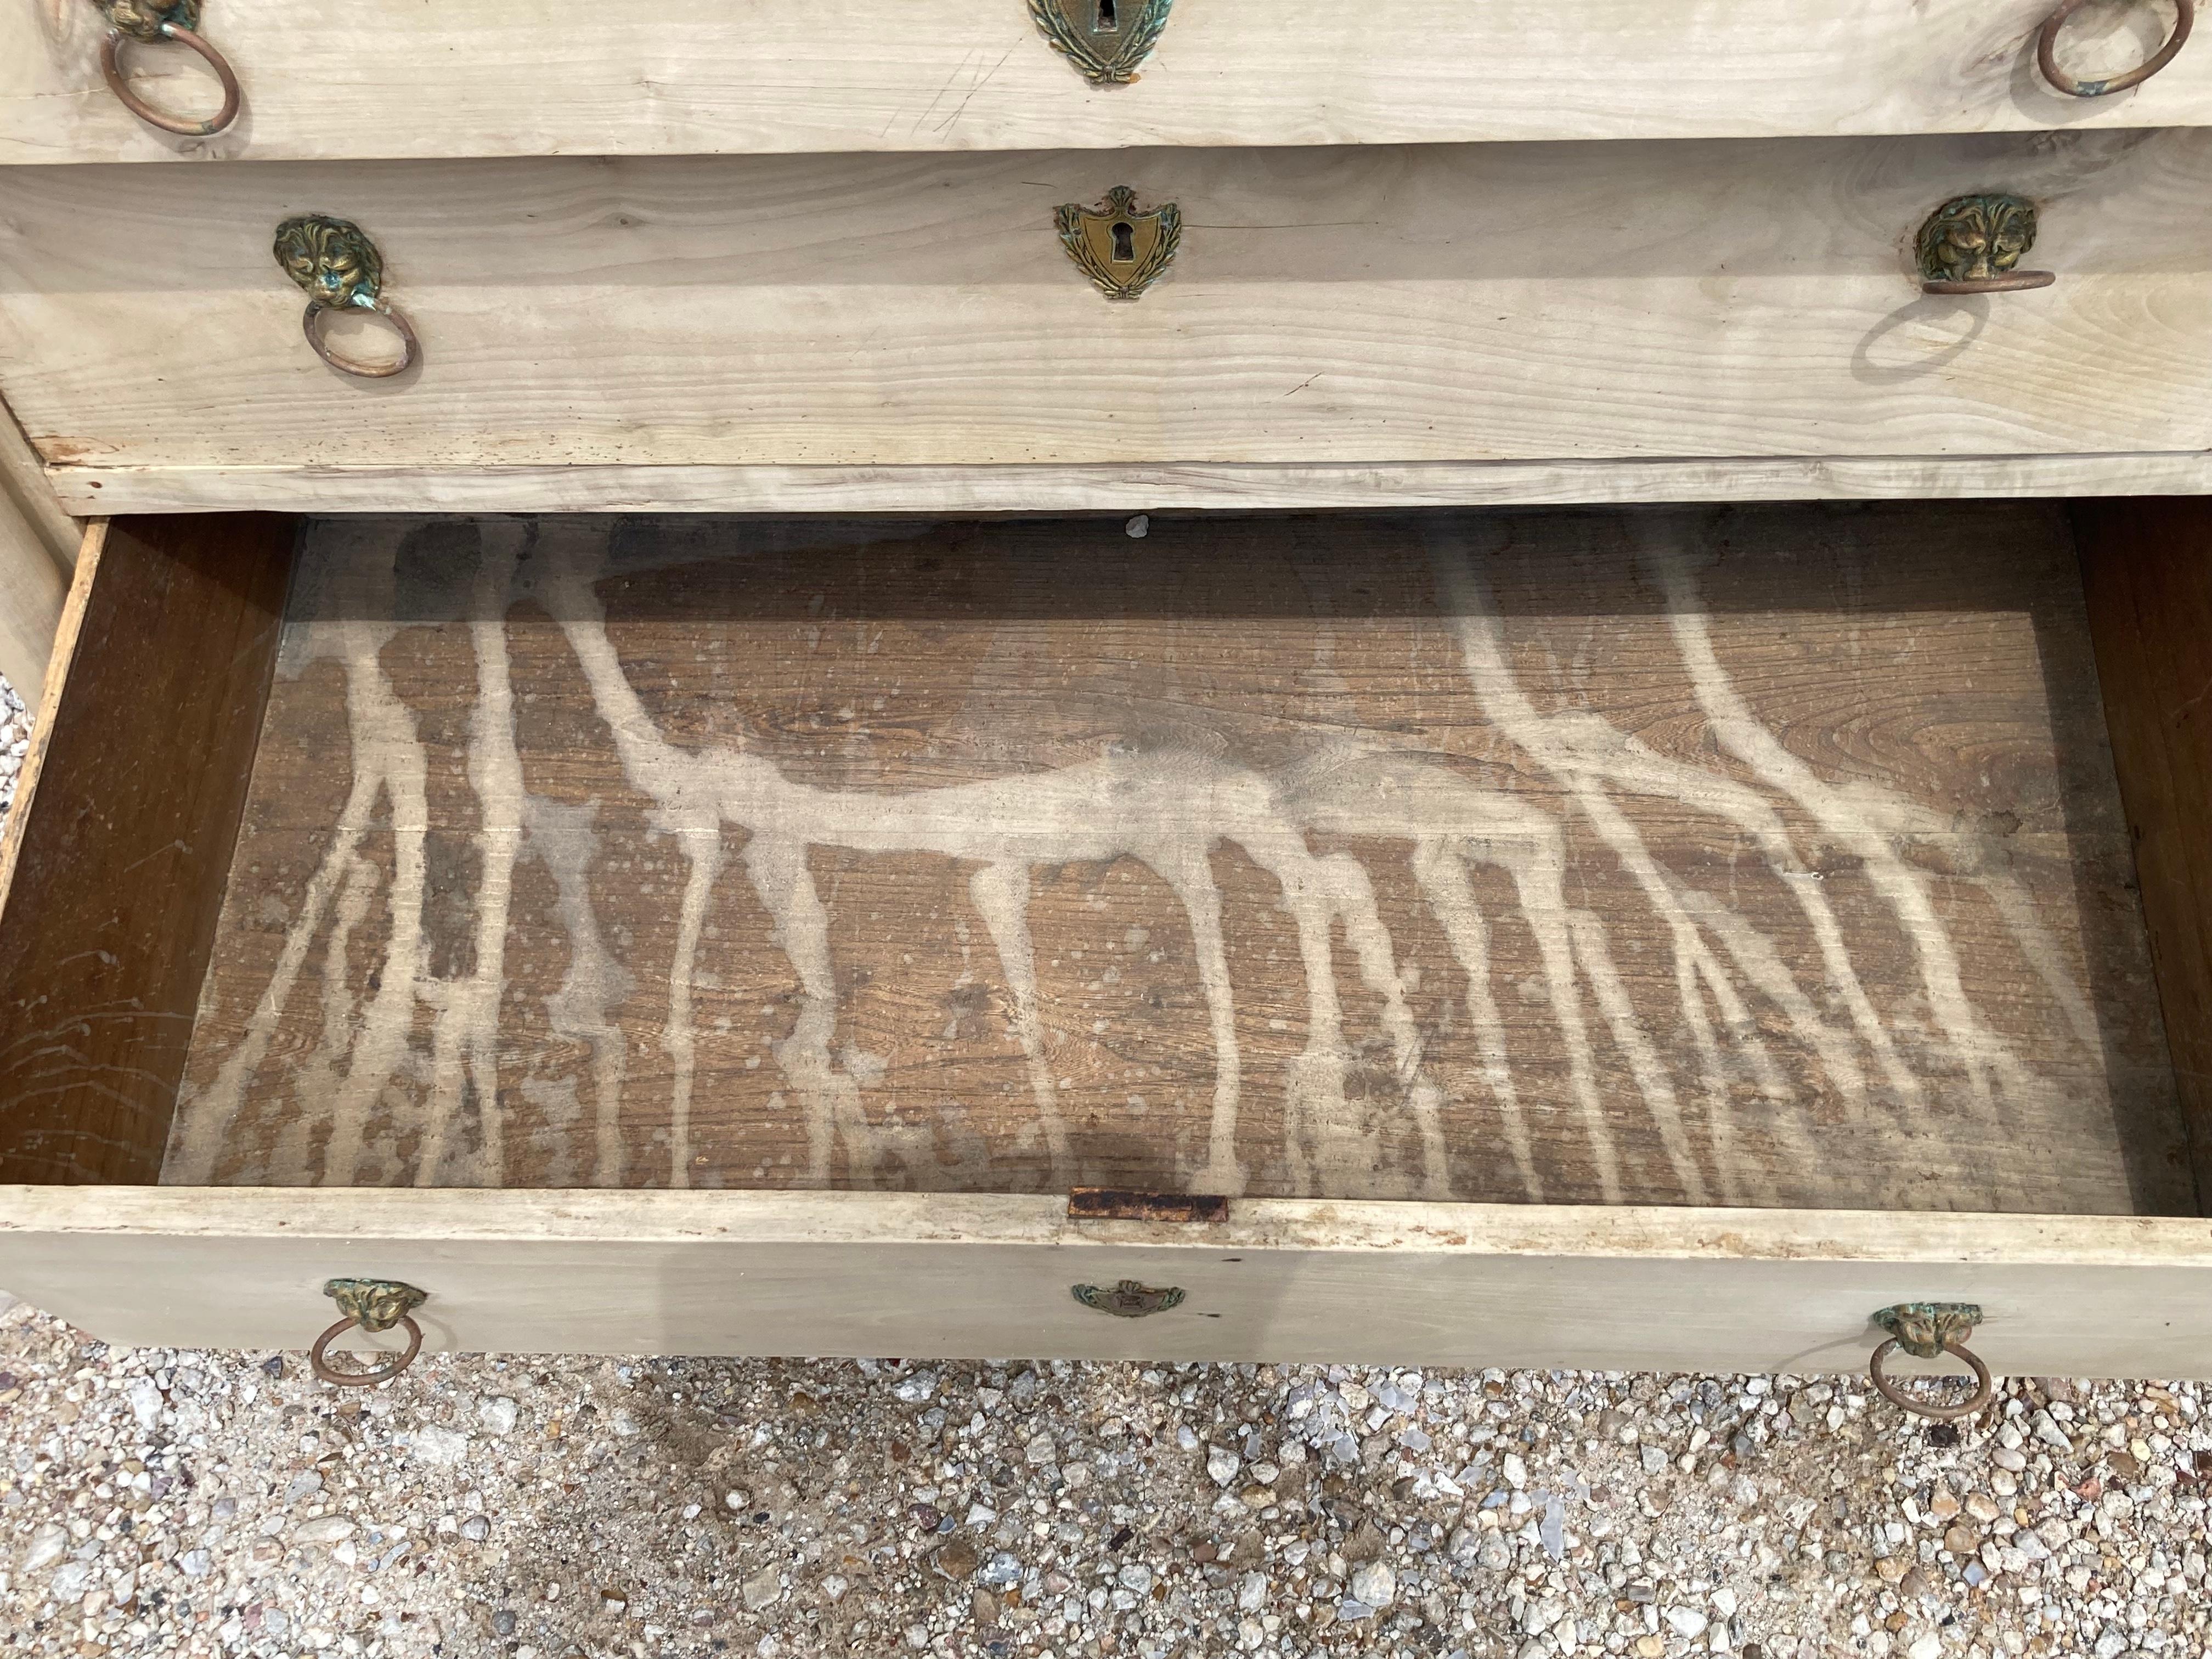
(1452, 684)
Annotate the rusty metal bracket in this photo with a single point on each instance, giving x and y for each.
(1114, 1204)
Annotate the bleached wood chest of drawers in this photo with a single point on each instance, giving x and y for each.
(1539, 671)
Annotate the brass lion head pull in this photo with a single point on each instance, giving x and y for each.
(340, 270)
(1929, 1330)
(151, 20)
(1105, 39)
(374, 1304)
(2046, 52)
(1971, 244)
(1122, 248)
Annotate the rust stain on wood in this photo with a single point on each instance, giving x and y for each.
(1113, 1204)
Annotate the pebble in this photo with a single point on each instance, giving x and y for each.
(957, 1560)
(441, 1448)
(686, 1508)
(1374, 1583)
(15, 741)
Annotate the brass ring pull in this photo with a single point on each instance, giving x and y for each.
(1973, 244)
(341, 270)
(158, 22)
(1928, 1330)
(317, 313)
(2018, 281)
(2046, 52)
(374, 1304)
(319, 1355)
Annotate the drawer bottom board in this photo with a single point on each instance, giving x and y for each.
(1765, 857)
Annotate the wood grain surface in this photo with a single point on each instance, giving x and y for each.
(951, 1275)
(496, 77)
(1134, 487)
(2147, 569)
(1765, 857)
(114, 859)
(1381, 305)
(38, 546)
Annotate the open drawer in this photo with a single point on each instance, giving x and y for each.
(1626, 937)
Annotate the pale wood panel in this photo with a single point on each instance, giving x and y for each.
(945, 1276)
(1380, 305)
(115, 855)
(492, 78)
(32, 588)
(1133, 488)
(38, 547)
(24, 483)
(1748, 857)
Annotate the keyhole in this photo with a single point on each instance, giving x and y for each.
(1108, 22)
(1125, 242)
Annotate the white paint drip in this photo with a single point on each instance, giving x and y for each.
(1870, 821)
(387, 766)
(586, 1009)
(464, 1043)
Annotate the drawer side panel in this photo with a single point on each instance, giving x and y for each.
(112, 873)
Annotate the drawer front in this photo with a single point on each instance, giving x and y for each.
(490, 78)
(1377, 306)
(942, 1276)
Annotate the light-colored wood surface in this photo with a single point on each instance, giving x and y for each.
(498, 77)
(118, 848)
(32, 586)
(28, 491)
(948, 1276)
(1117, 489)
(1483, 302)
(38, 546)
(1752, 856)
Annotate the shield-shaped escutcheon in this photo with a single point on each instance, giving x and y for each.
(1105, 39)
(1121, 247)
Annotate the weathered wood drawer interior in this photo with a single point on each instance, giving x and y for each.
(1762, 859)
(487, 77)
(1747, 859)
(1376, 306)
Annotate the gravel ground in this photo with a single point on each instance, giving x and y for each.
(154, 1502)
(15, 738)
(159, 1502)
